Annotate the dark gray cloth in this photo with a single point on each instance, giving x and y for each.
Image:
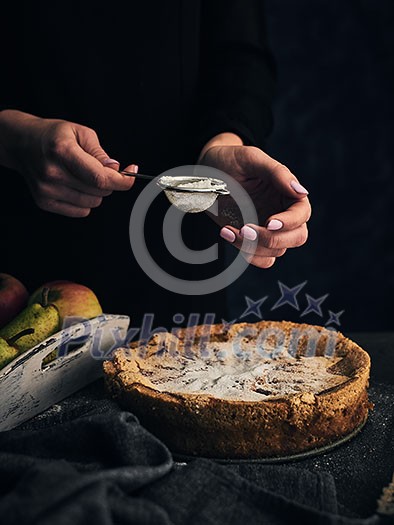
(87, 461)
(206, 493)
(81, 471)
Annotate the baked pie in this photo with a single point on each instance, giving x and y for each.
(248, 390)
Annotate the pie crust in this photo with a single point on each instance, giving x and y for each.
(248, 390)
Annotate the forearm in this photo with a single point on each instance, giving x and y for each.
(12, 138)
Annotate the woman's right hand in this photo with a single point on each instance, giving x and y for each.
(63, 163)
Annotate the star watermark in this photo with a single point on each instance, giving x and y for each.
(253, 307)
(314, 305)
(187, 325)
(227, 324)
(289, 295)
(334, 317)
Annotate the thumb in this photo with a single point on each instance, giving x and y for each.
(280, 176)
(89, 141)
(85, 161)
(287, 183)
(131, 168)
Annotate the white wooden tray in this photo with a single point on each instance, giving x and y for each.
(27, 387)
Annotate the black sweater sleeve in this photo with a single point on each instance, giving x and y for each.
(237, 72)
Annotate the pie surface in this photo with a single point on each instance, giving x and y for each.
(245, 391)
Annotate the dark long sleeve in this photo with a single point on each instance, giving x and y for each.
(208, 55)
(237, 72)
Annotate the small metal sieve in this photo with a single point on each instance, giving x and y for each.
(189, 194)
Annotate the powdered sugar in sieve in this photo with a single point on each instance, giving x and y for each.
(192, 194)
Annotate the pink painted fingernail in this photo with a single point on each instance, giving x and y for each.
(227, 234)
(274, 224)
(131, 169)
(107, 162)
(299, 188)
(249, 233)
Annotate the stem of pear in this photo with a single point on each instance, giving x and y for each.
(44, 297)
(14, 338)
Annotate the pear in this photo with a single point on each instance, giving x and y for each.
(71, 299)
(13, 297)
(8, 352)
(43, 317)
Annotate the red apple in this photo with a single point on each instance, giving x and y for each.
(71, 299)
(13, 297)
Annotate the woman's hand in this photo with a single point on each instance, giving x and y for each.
(281, 201)
(63, 163)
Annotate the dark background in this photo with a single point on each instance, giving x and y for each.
(333, 127)
(334, 115)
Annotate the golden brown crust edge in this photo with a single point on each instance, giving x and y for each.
(203, 425)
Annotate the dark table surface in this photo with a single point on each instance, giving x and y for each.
(362, 466)
(365, 464)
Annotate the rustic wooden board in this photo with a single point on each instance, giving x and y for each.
(27, 387)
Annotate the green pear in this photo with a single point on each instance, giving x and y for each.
(8, 352)
(43, 318)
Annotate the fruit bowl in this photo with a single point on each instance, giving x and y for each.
(29, 386)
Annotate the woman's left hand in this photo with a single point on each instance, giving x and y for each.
(281, 202)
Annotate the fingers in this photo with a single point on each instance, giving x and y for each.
(57, 191)
(87, 166)
(79, 186)
(260, 262)
(61, 176)
(71, 196)
(295, 216)
(260, 246)
(276, 239)
(84, 188)
(110, 163)
(62, 208)
(91, 172)
(251, 251)
(65, 200)
(251, 238)
(77, 150)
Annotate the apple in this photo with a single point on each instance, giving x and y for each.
(13, 297)
(71, 299)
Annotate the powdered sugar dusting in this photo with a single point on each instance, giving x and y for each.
(247, 377)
